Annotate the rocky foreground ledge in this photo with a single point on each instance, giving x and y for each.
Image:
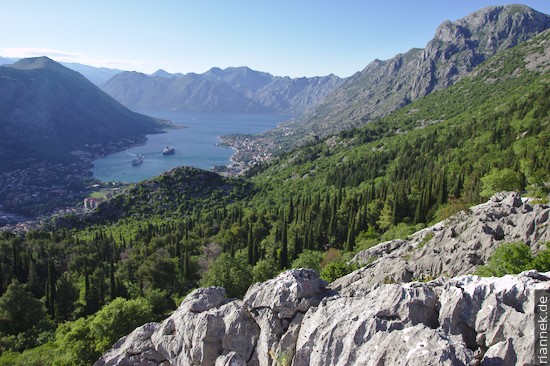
(298, 319)
(295, 319)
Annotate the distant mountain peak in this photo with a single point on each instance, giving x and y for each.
(43, 63)
(34, 63)
(161, 73)
(494, 28)
(455, 50)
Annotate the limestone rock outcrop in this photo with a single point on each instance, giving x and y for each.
(465, 320)
(298, 319)
(455, 246)
(209, 329)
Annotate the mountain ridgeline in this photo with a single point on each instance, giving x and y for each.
(237, 89)
(385, 86)
(49, 111)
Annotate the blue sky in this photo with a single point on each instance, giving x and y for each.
(284, 37)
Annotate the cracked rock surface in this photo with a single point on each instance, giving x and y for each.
(453, 247)
(298, 319)
(459, 321)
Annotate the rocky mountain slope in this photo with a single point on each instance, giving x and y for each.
(48, 111)
(235, 89)
(298, 319)
(455, 246)
(457, 47)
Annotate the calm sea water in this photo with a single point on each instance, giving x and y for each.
(195, 146)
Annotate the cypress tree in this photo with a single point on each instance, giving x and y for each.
(250, 245)
(112, 282)
(291, 211)
(297, 248)
(51, 288)
(186, 269)
(1, 277)
(283, 257)
(33, 281)
(350, 244)
(442, 190)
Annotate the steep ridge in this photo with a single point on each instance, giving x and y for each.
(48, 111)
(235, 89)
(298, 319)
(385, 86)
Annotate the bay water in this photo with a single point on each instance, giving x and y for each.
(195, 145)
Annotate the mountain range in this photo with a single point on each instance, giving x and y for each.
(235, 89)
(384, 86)
(327, 105)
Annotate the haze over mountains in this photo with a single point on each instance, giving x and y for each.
(327, 105)
(97, 75)
(50, 110)
(42, 99)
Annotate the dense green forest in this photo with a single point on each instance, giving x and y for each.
(87, 281)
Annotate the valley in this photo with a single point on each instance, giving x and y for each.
(362, 220)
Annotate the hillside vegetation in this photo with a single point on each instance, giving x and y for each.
(313, 207)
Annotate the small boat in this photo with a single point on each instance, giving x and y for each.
(138, 159)
(169, 150)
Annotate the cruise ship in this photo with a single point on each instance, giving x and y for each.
(138, 159)
(169, 150)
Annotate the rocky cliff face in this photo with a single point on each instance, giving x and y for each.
(457, 47)
(298, 319)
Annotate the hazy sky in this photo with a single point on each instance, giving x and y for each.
(282, 37)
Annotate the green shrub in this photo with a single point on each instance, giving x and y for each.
(509, 258)
(501, 180)
(309, 259)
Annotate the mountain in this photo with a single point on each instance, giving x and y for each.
(242, 79)
(280, 94)
(235, 89)
(189, 92)
(48, 111)
(160, 73)
(456, 49)
(6, 60)
(97, 75)
(298, 95)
